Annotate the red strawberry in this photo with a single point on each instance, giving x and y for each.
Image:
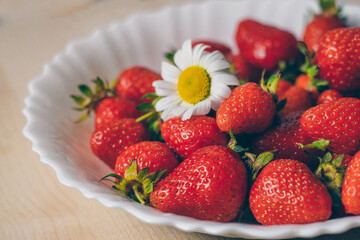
(284, 138)
(210, 184)
(155, 155)
(282, 87)
(329, 96)
(213, 46)
(322, 23)
(249, 109)
(351, 187)
(135, 82)
(338, 58)
(303, 81)
(337, 121)
(244, 69)
(114, 108)
(297, 99)
(287, 192)
(264, 45)
(110, 140)
(185, 137)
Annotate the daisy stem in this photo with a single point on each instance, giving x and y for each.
(145, 116)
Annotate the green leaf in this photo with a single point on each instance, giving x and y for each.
(272, 82)
(327, 157)
(263, 159)
(82, 118)
(113, 84)
(142, 173)
(151, 96)
(79, 100)
(145, 107)
(131, 171)
(321, 144)
(86, 90)
(338, 160)
(99, 85)
(170, 56)
(114, 175)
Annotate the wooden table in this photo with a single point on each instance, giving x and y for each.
(33, 204)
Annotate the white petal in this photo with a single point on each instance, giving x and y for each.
(169, 72)
(220, 90)
(164, 88)
(218, 66)
(224, 78)
(215, 102)
(198, 53)
(172, 112)
(167, 102)
(183, 57)
(210, 58)
(188, 113)
(203, 107)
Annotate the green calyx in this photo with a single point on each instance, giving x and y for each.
(271, 84)
(309, 69)
(151, 116)
(136, 185)
(256, 163)
(331, 174)
(90, 98)
(329, 8)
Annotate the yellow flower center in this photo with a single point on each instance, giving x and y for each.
(194, 84)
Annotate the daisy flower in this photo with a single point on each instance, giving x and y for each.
(198, 82)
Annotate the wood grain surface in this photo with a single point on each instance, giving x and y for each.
(33, 204)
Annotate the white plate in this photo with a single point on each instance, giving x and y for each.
(141, 40)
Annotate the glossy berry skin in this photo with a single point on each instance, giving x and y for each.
(110, 140)
(155, 155)
(210, 184)
(350, 194)
(185, 137)
(297, 99)
(249, 109)
(287, 192)
(317, 27)
(282, 87)
(263, 45)
(114, 108)
(283, 139)
(244, 69)
(135, 82)
(329, 96)
(337, 121)
(213, 46)
(338, 58)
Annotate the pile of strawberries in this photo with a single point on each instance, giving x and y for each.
(281, 151)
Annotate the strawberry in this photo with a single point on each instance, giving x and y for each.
(135, 82)
(297, 99)
(327, 20)
(282, 86)
(210, 184)
(110, 140)
(350, 194)
(114, 108)
(329, 96)
(338, 58)
(303, 81)
(249, 109)
(263, 45)
(244, 69)
(213, 46)
(155, 155)
(287, 192)
(337, 121)
(185, 137)
(284, 138)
